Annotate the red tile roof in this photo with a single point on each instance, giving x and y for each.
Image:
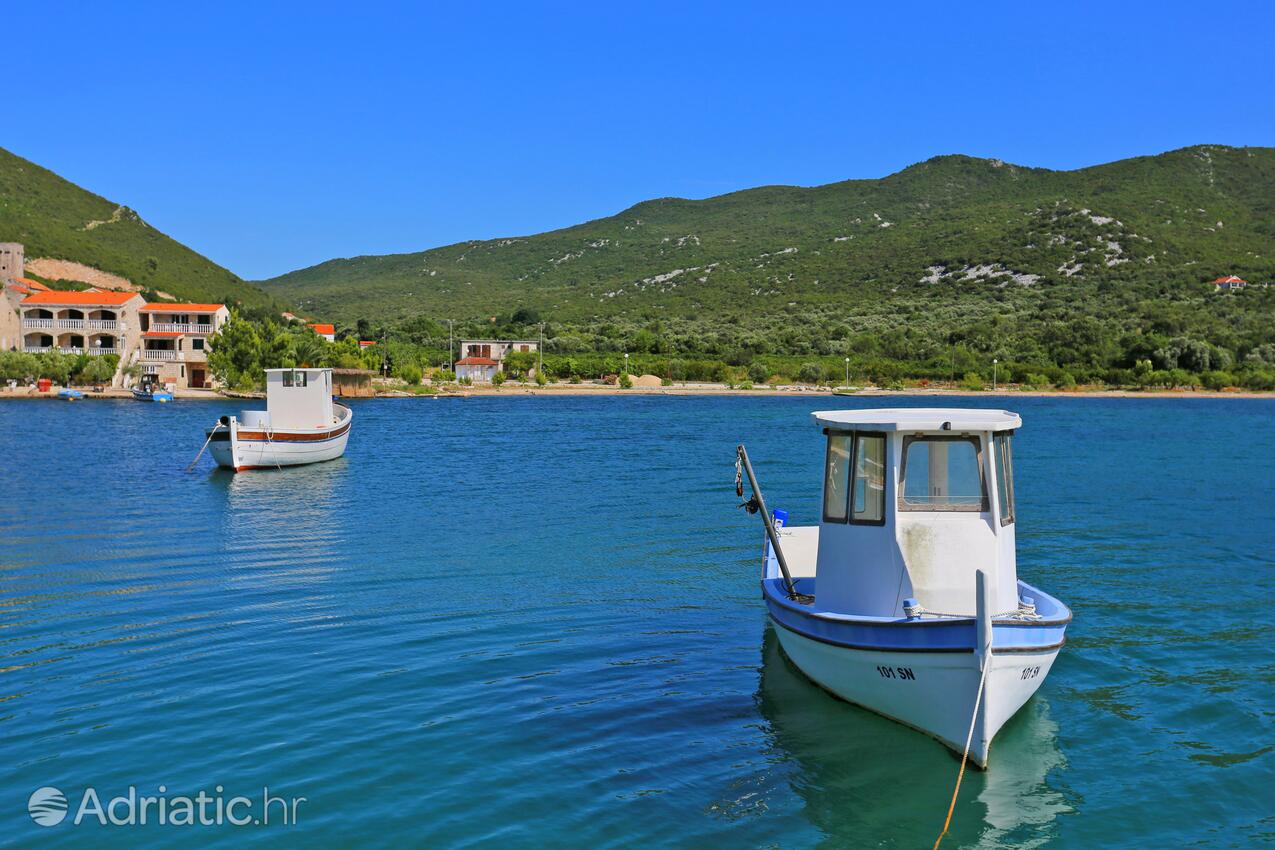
(476, 361)
(57, 297)
(322, 329)
(32, 284)
(1229, 279)
(159, 307)
(366, 342)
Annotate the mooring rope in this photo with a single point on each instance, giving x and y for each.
(978, 698)
(191, 468)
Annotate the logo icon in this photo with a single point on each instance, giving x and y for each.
(47, 806)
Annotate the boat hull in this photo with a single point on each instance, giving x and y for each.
(240, 448)
(933, 692)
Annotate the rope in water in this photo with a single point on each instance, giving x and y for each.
(978, 698)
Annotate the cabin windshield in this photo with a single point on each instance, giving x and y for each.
(942, 474)
(294, 379)
(854, 479)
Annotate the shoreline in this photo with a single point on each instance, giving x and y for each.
(679, 390)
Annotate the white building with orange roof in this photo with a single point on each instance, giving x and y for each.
(327, 331)
(90, 322)
(174, 350)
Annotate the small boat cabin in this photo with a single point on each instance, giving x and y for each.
(914, 502)
(296, 400)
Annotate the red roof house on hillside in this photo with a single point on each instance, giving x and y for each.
(1229, 283)
(326, 331)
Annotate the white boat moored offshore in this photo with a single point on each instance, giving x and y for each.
(301, 424)
(905, 599)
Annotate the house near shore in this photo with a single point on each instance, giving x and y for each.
(1230, 283)
(174, 348)
(481, 359)
(168, 340)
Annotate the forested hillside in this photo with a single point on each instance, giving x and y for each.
(56, 220)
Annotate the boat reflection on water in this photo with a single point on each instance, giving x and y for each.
(284, 527)
(866, 780)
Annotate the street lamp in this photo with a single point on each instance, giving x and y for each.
(626, 363)
(994, 362)
(450, 364)
(847, 372)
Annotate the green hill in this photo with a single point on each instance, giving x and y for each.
(955, 233)
(57, 220)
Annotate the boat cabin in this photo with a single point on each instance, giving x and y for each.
(914, 502)
(299, 399)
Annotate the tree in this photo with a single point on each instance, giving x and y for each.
(98, 371)
(758, 373)
(309, 349)
(234, 353)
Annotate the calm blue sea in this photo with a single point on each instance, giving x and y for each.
(525, 622)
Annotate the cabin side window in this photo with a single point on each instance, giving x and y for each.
(294, 379)
(1004, 477)
(836, 479)
(868, 492)
(942, 474)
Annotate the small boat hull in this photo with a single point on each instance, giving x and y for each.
(155, 396)
(932, 692)
(241, 448)
(924, 673)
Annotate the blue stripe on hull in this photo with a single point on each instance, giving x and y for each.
(901, 635)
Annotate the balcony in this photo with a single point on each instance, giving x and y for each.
(160, 354)
(36, 323)
(103, 324)
(102, 349)
(37, 349)
(181, 328)
(71, 324)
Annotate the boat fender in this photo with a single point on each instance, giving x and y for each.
(912, 609)
(225, 420)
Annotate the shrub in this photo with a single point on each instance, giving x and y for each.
(626, 383)
(1033, 380)
(541, 378)
(758, 373)
(811, 373)
(497, 379)
(972, 381)
(443, 376)
(409, 372)
(744, 385)
(1065, 381)
(1217, 380)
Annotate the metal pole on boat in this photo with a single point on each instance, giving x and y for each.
(742, 453)
(983, 615)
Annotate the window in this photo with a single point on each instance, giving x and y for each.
(1004, 477)
(855, 491)
(942, 474)
(294, 379)
(836, 484)
(197, 344)
(869, 479)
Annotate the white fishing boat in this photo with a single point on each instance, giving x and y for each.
(905, 598)
(301, 424)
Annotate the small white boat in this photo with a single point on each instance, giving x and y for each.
(301, 424)
(905, 599)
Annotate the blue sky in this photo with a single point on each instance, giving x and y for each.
(272, 136)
